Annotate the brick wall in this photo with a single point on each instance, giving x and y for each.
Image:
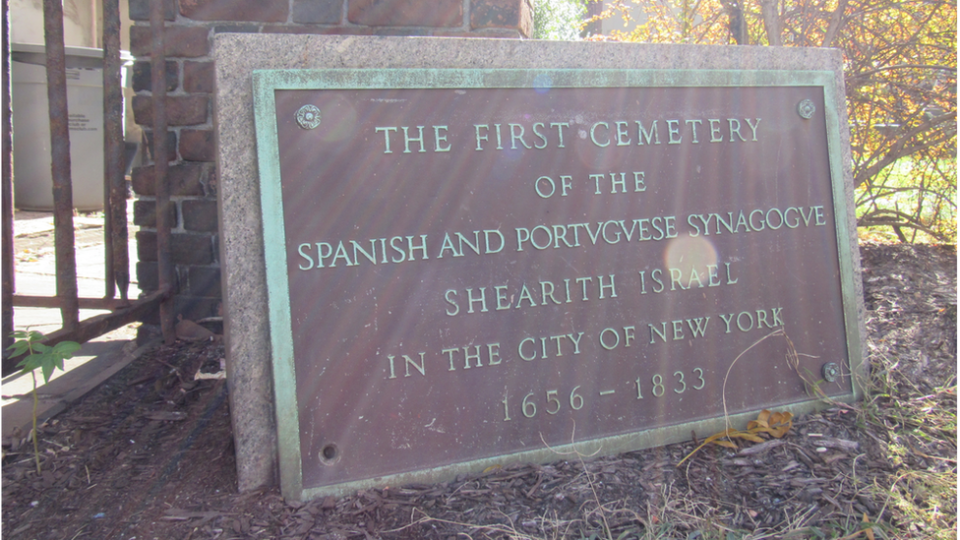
(190, 27)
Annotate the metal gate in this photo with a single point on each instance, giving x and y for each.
(116, 263)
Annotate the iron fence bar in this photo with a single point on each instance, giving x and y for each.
(159, 90)
(60, 163)
(67, 298)
(117, 264)
(101, 324)
(7, 194)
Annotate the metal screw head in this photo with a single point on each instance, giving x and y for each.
(830, 371)
(308, 116)
(806, 108)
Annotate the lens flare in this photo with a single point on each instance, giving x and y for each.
(542, 83)
(340, 121)
(690, 256)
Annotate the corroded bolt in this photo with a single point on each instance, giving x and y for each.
(308, 117)
(830, 371)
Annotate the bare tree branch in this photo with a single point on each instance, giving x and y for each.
(863, 74)
(887, 191)
(895, 219)
(835, 19)
(900, 149)
(771, 22)
(737, 24)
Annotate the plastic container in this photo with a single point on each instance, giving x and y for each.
(33, 185)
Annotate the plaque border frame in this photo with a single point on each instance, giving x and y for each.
(267, 82)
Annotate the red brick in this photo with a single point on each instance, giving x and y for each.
(146, 246)
(350, 30)
(181, 110)
(145, 214)
(143, 76)
(203, 281)
(187, 179)
(197, 145)
(210, 179)
(147, 276)
(200, 215)
(139, 10)
(292, 29)
(235, 10)
(187, 42)
(499, 33)
(198, 76)
(514, 14)
(236, 28)
(191, 249)
(438, 13)
(171, 145)
(317, 11)
(188, 110)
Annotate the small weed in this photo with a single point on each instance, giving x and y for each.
(922, 501)
(44, 357)
(926, 503)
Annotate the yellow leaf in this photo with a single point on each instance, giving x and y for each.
(776, 424)
(720, 435)
(780, 431)
(748, 436)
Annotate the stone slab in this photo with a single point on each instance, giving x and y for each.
(243, 252)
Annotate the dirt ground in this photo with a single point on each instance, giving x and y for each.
(149, 455)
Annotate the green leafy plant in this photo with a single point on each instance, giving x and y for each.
(558, 19)
(41, 356)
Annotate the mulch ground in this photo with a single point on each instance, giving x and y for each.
(149, 454)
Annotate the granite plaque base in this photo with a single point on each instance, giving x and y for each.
(444, 269)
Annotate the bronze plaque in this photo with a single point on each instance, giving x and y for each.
(466, 268)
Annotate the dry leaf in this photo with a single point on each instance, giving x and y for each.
(868, 531)
(188, 330)
(777, 424)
